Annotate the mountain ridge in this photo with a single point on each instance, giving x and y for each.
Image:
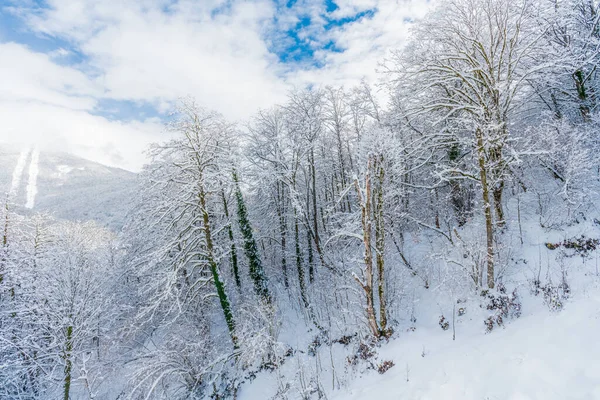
(66, 186)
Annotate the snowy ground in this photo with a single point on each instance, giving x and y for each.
(542, 355)
(545, 354)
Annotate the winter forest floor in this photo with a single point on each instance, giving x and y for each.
(542, 355)
(550, 352)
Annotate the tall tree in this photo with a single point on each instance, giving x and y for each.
(470, 61)
(257, 272)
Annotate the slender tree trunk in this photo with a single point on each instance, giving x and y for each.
(6, 219)
(582, 94)
(340, 148)
(233, 257)
(496, 174)
(367, 285)
(314, 207)
(4, 249)
(282, 230)
(489, 227)
(497, 193)
(436, 208)
(257, 272)
(311, 261)
(223, 299)
(299, 266)
(309, 239)
(557, 111)
(380, 243)
(68, 362)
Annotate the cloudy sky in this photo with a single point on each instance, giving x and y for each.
(97, 77)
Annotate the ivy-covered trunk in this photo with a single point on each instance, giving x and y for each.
(223, 299)
(299, 266)
(233, 256)
(257, 273)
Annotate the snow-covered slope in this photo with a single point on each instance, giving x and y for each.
(66, 186)
(542, 355)
(549, 352)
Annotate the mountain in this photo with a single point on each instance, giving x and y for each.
(66, 186)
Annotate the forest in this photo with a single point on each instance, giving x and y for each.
(288, 250)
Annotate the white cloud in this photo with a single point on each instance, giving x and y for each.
(144, 53)
(55, 128)
(365, 42)
(157, 50)
(34, 77)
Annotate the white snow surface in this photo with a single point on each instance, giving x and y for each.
(33, 175)
(544, 354)
(65, 186)
(18, 172)
(63, 170)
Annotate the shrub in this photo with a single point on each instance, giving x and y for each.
(345, 340)
(502, 306)
(385, 366)
(443, 323)
(554, 296)
(581, 245)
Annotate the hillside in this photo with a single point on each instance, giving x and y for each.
(66, 186)
(544, 347)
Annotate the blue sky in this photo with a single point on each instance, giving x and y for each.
(102, 75)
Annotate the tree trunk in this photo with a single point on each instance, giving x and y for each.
(380, 243)
(582, 95)
(311, 261)
(68, 362)
(497, 193)
(365, 205)
(282, 230)
(223, 299)
(496, 171)
(489, 228)
(340, 149)
(4, 248)
(299, 265)
(309, 239)
(257, 272)
(234, 260)
(314, 203)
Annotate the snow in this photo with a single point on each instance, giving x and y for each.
(63, 169)
(68, 187)
(33, 175)
(543, 356)
(18, 172)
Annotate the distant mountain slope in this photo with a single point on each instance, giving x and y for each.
(66, 186)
